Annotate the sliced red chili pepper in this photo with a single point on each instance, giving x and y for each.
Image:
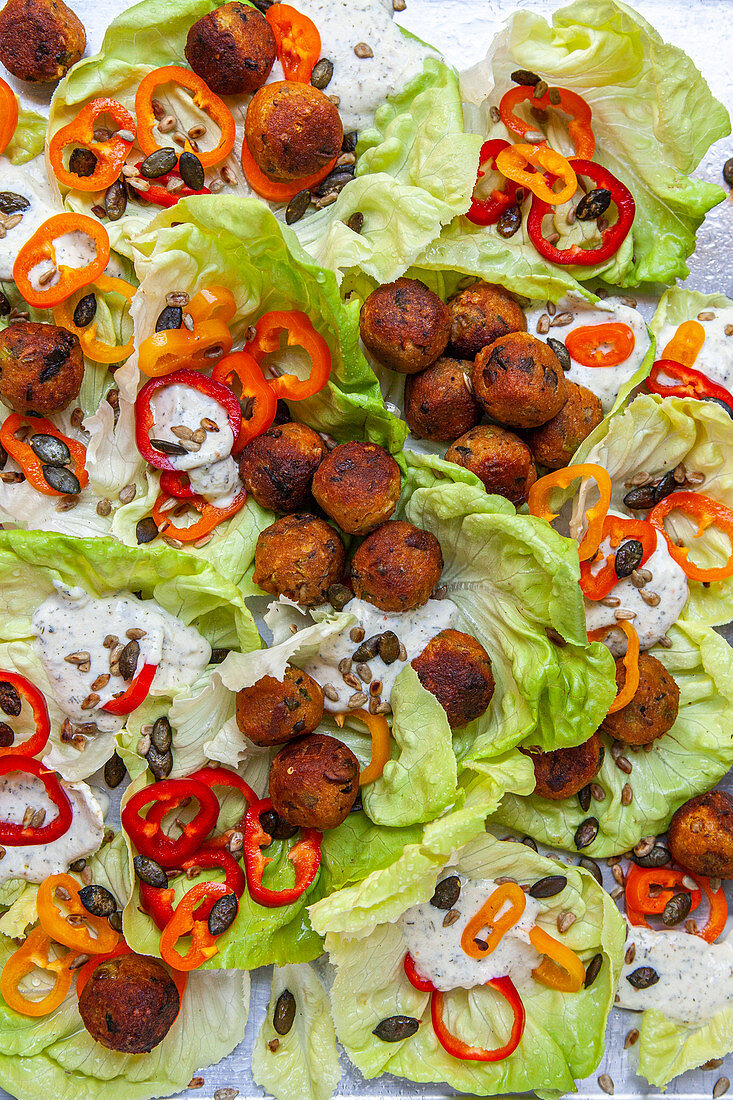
(135, 695)
(28, 460)
(611, 238)
(579, 127)
(148, 836)
(708, 513)
(223, 777)
(300, 334)
(255, 389)
(14, 835)
(203, 98)
(604, 345)
(36, 700)
(595, 582)
(159, 902)
(297, 39)
(305, 857)
(539, 501)
(184, 922)
(211, 516)
(159, 194)
(685, 382)
(8, 114)
(145, 418)
(488, 211)
(641, 903)
(40, 250)
(458, 1049)
(424, 985)
(176, 483)
(110, 154)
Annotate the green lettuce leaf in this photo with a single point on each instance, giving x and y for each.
(654, 118)
(29, 137)
(667, 1048)
(305, 1062)
(689, 759)
(564, 1032)
(655, 435)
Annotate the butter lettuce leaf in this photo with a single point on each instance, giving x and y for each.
(667, 1048)
(29, 138)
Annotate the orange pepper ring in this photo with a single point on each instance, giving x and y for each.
(380, 732)
(40, 247)
(63, 315)
(8, 114)
(175, 349)
(630, 661)
(203, 98)
(561, 479)
(686, 344)
(585, 344)
(273, 190)
(510, 163)
(508, 892)
(212, 303)
(566, 973)
(33, 953)
(708, 513)
(55, 925)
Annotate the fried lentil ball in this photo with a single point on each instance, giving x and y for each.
(652, 711)
(300, 557)
(563, 772)
(314, 782)
(292, 130)
(40, 39)
(480, 315)
(41, 367)
(499, 458)
(129, 1003)
(358, 485)
(278, 466)
(405, 325)
(273, 711)
(456, 669)
(439, 401)
(232, 48)
(397, 566)
(554, 443)
(519, 381)
(700, 835)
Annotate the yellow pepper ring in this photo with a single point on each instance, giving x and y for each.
(685, 345)
(98, 352)
(486, 917)
(378, 727)
(539, 501)
(513, 162)
(560, 968)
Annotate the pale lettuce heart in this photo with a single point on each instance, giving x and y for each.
(29, 138)
(667, 1048)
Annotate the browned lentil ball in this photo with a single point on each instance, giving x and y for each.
(358, 485)
(563, 772)
(554, 443)
(40, 39)
(397, 566)
(232, 48)
(292, 130)
(499, 458)
(300, 557)
(129, 1003)
(456, 669)
(41, 367)
(652, 711)
(439, 401)
(405, 325)
(314, 782)
(481, 314)
(278, 466)
(519, 381)
(700, 835)
(274, 711)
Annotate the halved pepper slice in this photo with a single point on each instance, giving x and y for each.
(305, 857)
(513, 162)
(203, 98)
(8, 114)
(110, 154)
(297, 39)
(94, 349)
(40, 251)
(28, 460)
(539, 501)
(135, 695)
(630, 661)
(35, 953)
(381, 736)
(211, 516)
(176, 349)
(488, 211)
(51, 901)
(184, 922)
(708, 513)
(560, 968)
(273, 190)
(37, 702)
(256, 390)
(509, 893)
(299, 333)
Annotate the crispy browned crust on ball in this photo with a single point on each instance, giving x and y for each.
(481, 314)
(397, 566)
(439, 401)
(358, 485)
(456, 669)
(41, 367)
(700, 835)
(405, 325)
(300, 557)
(499, 458)
(563, 772)
(292, 130)
(278, 466)
(554, 444)
(519, 381)
(273, 711)
(232, 48)
(314, 782)
(129, 1003)
(40, 39)
(652, 711)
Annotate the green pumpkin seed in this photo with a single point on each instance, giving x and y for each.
(98, 901)
(167, 447)
(114, 771)
(82, 162)
(727, 172)
(591, 866)
(348, 145)
(592, 205)
(297, 206)
(677, 908)
(447, 893)
(284, 1014)
(218, 654)
(192, 171)
(276, 827)
(115, 200)
(86, 309)
(561, 352)
(11, 203)
(356, 222)
(510, 222)
(10, 701)
(396, 1028)
(526, 78)
(584, 797)
(586, 832)
(170, 317)
(162, 734)
(628, 558)
(160, 763)
(389, 647)
(115, 921)
(128, 659)
(548, 887)
(659, 856)
(592, 970)
(339, 595)
(62, 480)
(150, 872)
(223, 914)
(159, 163)
(5, 306)
(643, 977)
(640, 498)
(146, 530)
(322, 73)
(50, 450)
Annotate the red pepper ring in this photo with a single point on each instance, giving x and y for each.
(604, 345)
(611, 239)
(488, 211)
(29, 462)
(176, 483)
(148, 836)
(14, 835)
(579, 127)
(690, 383)
(305, 857)
(424, 985)
(617, 529)
(110, 154)
(458, 1049)
(184, 921)
(640, 903)
(255, 389)
(135, 695)
(223, 777)
(708, 513)
(145, 419)
(300, 333)
(36, 700)
(159, 902)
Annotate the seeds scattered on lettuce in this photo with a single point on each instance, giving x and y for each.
(356, 222)
(284, 1014)
(586, 832)
(159, 163)
(396, 1028)
(114, 771)
(677, 908)
(297, 206)
(192, 171)
(170, 317)
(447, 893)
(548, 887)
(643, 977)
(592, 970)
(529, 843)
(61, 479)
(150, 872)
(98, 901)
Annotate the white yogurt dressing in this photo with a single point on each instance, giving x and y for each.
(413, 628)
(17, 180)
(650, 623)
(437, 950)
(605, 382)
(716, 355)
(695, 977)
(71, 621)
(72, 250)
(212, 471)
(363, 84)
(35, 861)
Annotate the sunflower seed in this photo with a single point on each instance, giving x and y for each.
(721, 1087)
(358, 699)
(363, 50)
(606, 1083)
(566, 919)
(543, 325)
(627, 795)
(622, 613)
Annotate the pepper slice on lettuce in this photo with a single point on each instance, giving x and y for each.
(654, 119)
(564, 1032)
(56, 1056)
(30, 562)
(416, 165)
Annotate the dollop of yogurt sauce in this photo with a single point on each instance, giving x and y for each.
(437, 952)
(695, 977)
(413, 628)
(72, 623)
(715, 358)
(651, 623)
(34, 862)
(72, 250)
(363, 83)
(605, 382)
(210, 467)
(17, 180)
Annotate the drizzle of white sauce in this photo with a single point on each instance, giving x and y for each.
(715, 358)
(17, 180)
